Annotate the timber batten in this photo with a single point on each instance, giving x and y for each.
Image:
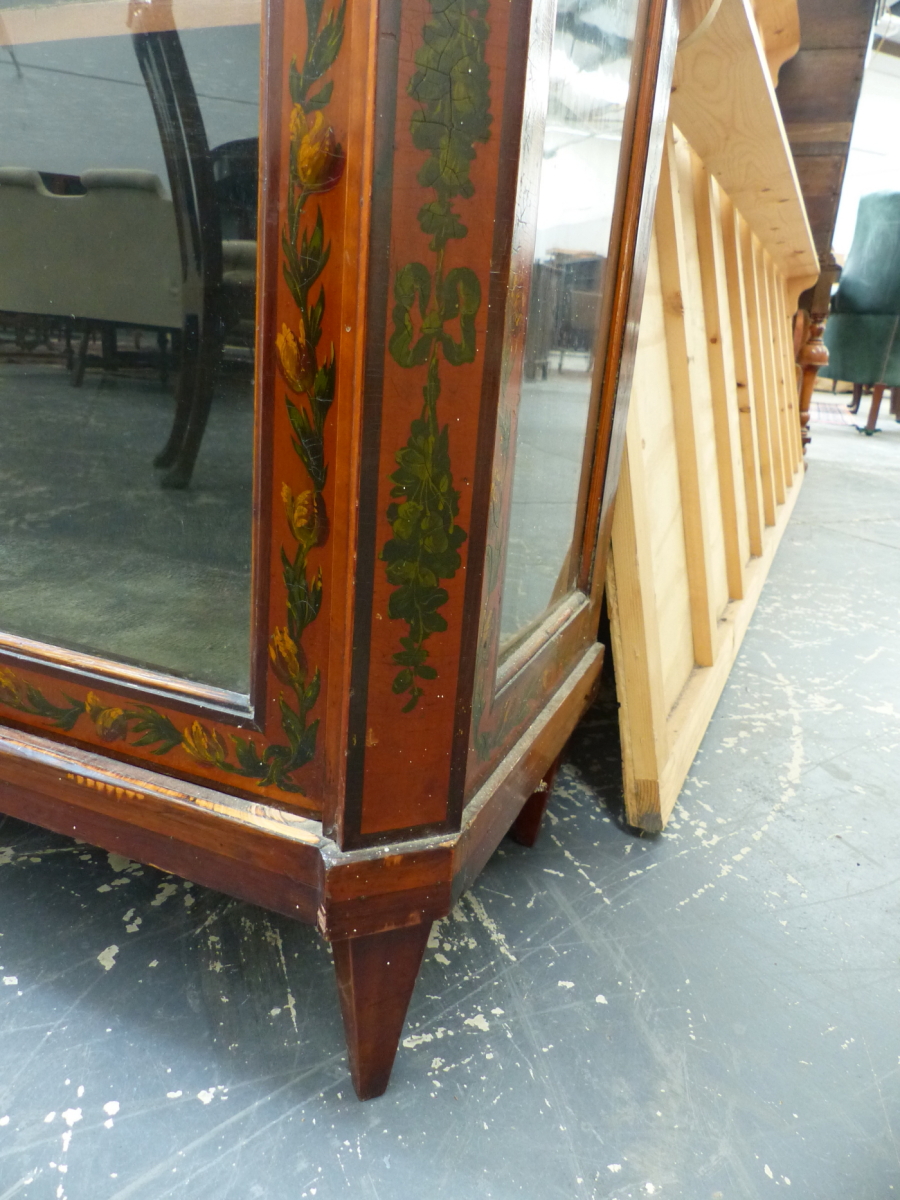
(713, 459)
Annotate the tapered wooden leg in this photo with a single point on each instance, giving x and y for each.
(527, 825)
(376, 975)
(857, 397)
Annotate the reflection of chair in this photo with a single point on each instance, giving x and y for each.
(239, 288)
(543, 318)
(563, 309)
(863, 330)
(161, 60)
(236, 172)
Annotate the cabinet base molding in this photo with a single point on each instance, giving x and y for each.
(375, 906)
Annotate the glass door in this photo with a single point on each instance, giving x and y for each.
(128, 235)
(170, 185)
(594, 71)
(565, 233)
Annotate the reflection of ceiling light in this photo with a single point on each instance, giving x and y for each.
(887, 27)
(584, 89)
(608, 17)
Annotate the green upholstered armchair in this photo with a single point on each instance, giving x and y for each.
(863, 330)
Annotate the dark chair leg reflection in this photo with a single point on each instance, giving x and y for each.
(193, 400)
(186, 149)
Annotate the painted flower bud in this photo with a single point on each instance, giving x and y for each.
(204, 745)
(110, 723)
(8, 687)
(296, 359)
(288, 659)
(318, 158)
(306, 516)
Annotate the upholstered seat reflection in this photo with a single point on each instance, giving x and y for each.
(110, 255)
(110, 258)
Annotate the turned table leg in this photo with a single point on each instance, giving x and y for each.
(813, 355)
(527, 824)
(376, 974)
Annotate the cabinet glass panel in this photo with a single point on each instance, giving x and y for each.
(128, 196)
(589, 74)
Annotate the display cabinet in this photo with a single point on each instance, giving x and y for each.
(374, 316)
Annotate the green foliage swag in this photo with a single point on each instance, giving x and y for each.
(434, 318)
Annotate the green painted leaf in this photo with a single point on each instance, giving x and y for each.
(321, 98)
(291, 723)
(311, 694)
(296, 84)
(325, 47)
(314, 318)
(441, 223)
(305, 749)
(402, 680)
(309, 444)
(155, 729)
(248, 757)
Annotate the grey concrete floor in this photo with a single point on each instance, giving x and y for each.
(708, 1014)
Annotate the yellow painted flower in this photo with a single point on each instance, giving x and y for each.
(8, 684)
(298, 123)
(318, 158)
(110, 723)
(288, 659)
(301, 515)
(296, 359)
(306, 516)
(204, 745)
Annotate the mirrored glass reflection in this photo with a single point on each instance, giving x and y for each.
(128, 198)
(589, 79)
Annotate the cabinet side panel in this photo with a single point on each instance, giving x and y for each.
(421, 410)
